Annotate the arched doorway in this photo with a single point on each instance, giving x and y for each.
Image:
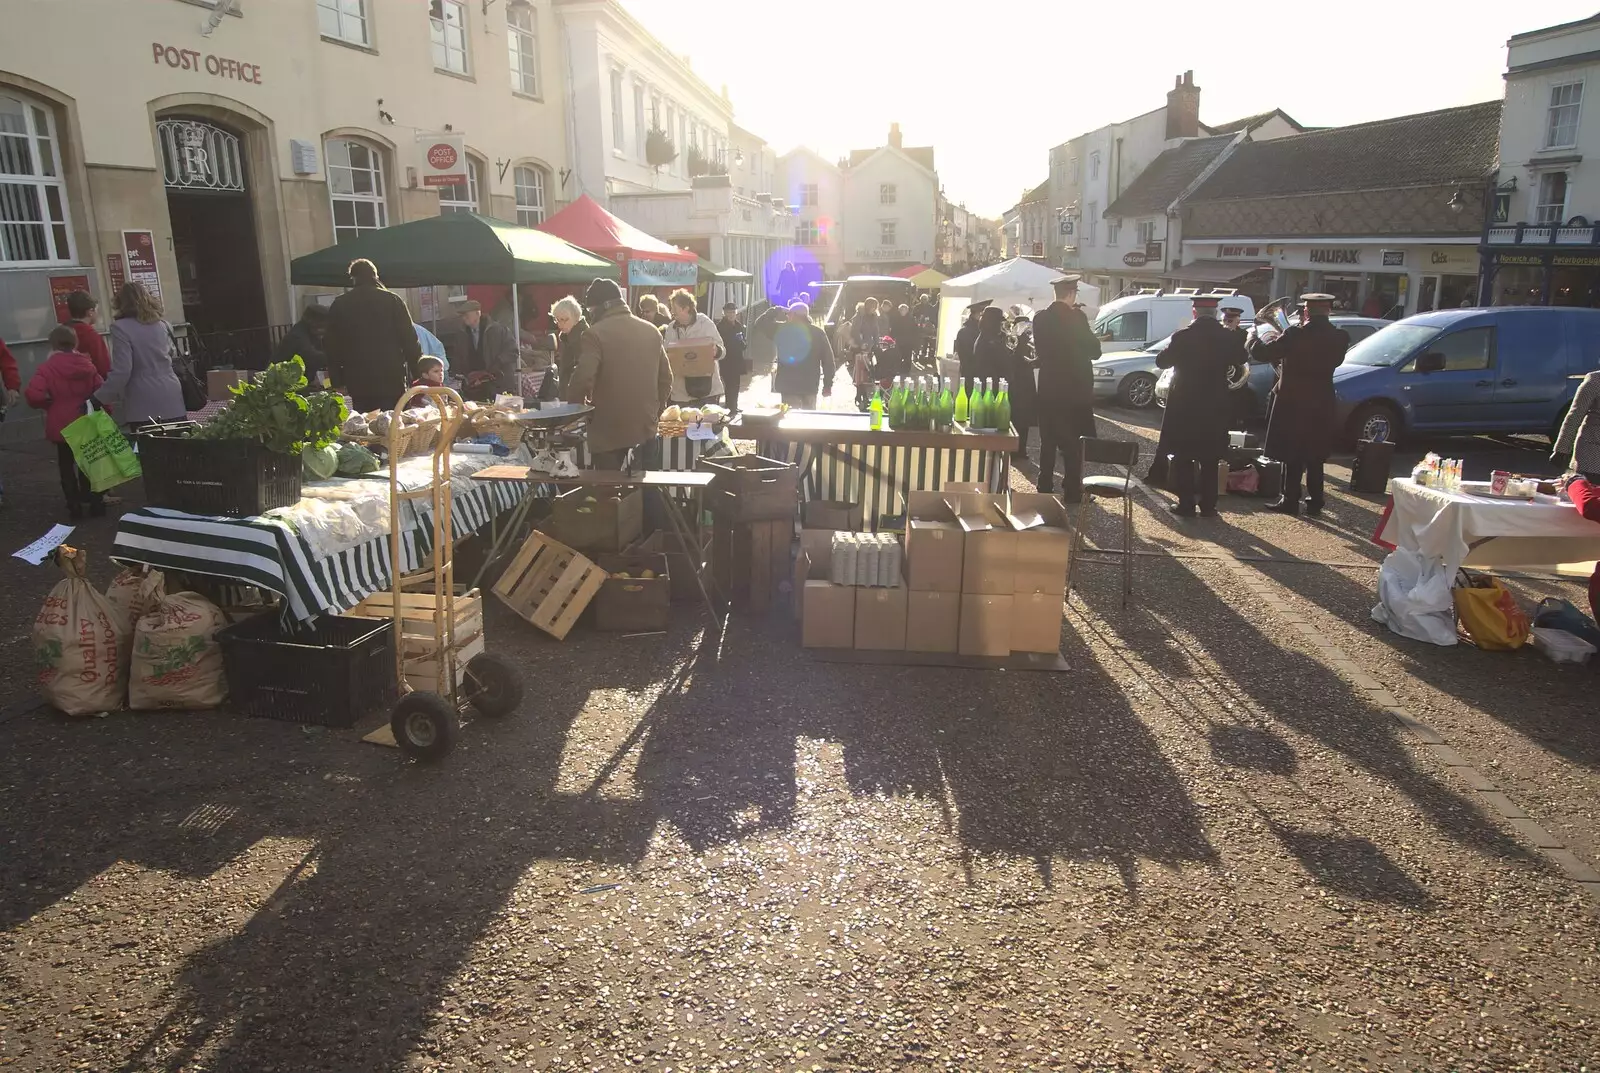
(213, 228)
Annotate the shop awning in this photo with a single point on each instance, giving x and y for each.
(460, 248)
(715, 273)
(1213, 271)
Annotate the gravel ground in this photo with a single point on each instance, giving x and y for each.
(1201, 848)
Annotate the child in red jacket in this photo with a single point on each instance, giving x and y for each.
(61, 388)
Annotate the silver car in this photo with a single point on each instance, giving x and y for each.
(1129, 376)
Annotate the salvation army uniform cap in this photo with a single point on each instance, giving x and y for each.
(1316, 297)
(1206, 301)
(1069, 280)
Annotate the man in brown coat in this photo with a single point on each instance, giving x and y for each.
(622, 370)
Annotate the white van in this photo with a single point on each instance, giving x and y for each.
(1136, 321)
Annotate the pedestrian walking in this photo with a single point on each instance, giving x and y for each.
(923, 322)
(62, 387)
(81, 308)
(804, 353)
(622, 371)
(142, 386)
(1196, 425)
(734, 365)
(484, 354)
(1300, 430)
(1066, 348)
(371, 344)
(689, 325)
(762, 352)
(567, 313)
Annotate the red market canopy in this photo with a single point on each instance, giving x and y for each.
(647, 261)
(909, 271)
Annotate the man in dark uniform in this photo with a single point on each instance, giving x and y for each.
(1066, 347)
(1196, 425)
(1300, 431)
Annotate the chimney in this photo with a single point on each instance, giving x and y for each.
(1183, 107)
(894, 135)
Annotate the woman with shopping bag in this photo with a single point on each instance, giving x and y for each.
(62, 387)
(143, 386)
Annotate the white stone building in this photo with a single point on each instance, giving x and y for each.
(813, 188)
(891, 207)
(1541, 242)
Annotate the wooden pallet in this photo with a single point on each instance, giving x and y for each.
(549, 584)
(749, 560)
(419, 650)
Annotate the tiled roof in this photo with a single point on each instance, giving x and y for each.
(922, 154)
(1454, 144)
(1251, 122)
(1038, 193)
(1168, 176)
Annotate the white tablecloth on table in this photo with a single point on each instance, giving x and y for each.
(1474, 530)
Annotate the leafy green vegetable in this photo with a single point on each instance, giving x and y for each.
(355, 459)
(273, 410)
(320, 462)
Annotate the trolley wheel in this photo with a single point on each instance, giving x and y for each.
(497, 687)
(425, 726)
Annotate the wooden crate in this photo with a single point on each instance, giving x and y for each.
(549, 584)
(749, 559)
(419, 651)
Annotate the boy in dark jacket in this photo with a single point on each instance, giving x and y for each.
(61, 387)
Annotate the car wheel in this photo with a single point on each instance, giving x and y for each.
(1374, 421)
(1137, 390)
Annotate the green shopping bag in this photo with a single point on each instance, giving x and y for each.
(101, 450)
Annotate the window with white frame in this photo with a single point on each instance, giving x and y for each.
(887, 230)
(448, 22)
(530, 195)
(886, 193)
(806, 233)
(522, 39)
(355, 186)
(639, 129)
(344, 20)
(808, 194)
(1551, 208)
(1094, 223)
(462, 197)
(619, 137)
(33, 199)
(1561, 127)
(1147, 232)
(1094, 165)
(1113, 231)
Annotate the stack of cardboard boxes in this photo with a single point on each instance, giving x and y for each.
(985, 575)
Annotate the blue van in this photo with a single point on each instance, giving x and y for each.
(1510, 369)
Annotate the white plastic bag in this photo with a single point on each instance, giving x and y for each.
(1414, 598)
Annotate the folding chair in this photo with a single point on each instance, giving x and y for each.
(1122, 453)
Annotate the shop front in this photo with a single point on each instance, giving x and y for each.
(1541, 277)
(1376, 277)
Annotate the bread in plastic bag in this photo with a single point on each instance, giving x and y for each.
(177, 662)
(80, 644)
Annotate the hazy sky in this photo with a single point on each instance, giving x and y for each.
(993, 84)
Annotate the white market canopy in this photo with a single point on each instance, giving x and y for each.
(1018, 281)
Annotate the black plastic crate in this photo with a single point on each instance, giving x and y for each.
(330, 674)
(230, 477)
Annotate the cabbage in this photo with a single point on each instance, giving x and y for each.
(320, 462)
(355, 459)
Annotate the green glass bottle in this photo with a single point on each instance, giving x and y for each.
(947, 406)
(975, 412)
(875, 408)
(913, 405)
(897, 402)
(961, 404)
(1002, 407)
(988, 403)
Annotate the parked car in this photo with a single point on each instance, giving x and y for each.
(1251, 398)
(1129, 376)
(1133, 323)
(1512, 369)
(837, 298)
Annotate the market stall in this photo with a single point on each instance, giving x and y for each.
(1015, 282)
(842, 458)
(1473, 529)
(644, 261)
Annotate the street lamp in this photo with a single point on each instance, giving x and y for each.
(1457, 204)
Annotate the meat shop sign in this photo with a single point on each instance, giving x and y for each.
(1330, 256)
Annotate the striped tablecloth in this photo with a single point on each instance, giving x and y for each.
(267, 552)
(878, 476)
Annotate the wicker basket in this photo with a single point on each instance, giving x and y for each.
(424, 437)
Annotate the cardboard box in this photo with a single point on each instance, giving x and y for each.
(698, 358)
(1044, 543)
(218, 381)
(964, 487)
(881, 619)
(633, 604)
(933, 621)
(985, 625)
(597, 519)
(827, 611)
(934, 544)
(989, 554)
(831, 514)
(1036, 622)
